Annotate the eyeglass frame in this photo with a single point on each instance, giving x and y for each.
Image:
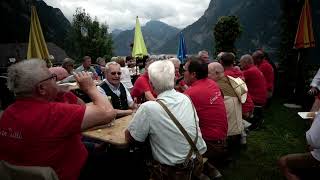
(49, 78)
(114, 73)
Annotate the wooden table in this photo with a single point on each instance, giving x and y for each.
(113, 134)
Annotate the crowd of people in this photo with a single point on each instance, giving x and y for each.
(183, 111)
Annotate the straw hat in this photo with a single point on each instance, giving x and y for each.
(240, 88)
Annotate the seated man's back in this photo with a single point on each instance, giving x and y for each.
(168, 144)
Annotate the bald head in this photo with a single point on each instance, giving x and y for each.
(215, 71)
(246, 61)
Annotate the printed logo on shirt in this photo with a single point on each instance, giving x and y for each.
(215, 96)
(11, 133)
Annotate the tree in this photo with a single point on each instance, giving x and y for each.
(88, 37)
(226, 31)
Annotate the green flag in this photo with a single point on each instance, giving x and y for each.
(139, 48)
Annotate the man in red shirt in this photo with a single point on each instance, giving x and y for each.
(142, 90)
(266, 68)
(208, 101)
(254, 79)
(38, 131)
(227, 61)
(256, 87)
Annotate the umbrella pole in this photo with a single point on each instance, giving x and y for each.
(298, 89)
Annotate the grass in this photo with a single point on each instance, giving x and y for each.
(283, 133)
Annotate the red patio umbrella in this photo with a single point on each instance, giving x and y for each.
(304, 36)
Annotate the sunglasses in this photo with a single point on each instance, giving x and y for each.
(114, 73)
(52, 76)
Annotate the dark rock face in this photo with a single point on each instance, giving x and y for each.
(260, 22)
(15, 19)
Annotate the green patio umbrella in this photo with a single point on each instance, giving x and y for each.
(139, 47)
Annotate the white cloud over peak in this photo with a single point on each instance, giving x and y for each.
(120, 14)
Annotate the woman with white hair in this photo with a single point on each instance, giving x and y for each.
(152, 121)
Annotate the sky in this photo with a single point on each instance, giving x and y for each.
(121, 14)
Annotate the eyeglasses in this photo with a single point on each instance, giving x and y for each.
(114, 73)
(52, 76)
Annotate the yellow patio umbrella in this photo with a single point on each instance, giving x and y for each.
(37, 47)
(139, 47)
(304, 36)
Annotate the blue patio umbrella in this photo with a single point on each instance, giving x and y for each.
(182, 49)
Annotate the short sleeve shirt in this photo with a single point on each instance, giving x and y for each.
(168, 144)
(42, 133)
(208, 101)
(141, 86)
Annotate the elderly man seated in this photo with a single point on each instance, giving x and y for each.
(120, 96)
(231, 101)
(86, 66)
(293, 166)
(169, 146)
(37, 131)
(257, 88)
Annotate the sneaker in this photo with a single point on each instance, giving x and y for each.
(288, 105)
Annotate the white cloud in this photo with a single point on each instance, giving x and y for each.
(120, 14)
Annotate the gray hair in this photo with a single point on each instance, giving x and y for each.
(247, 58)
(175, 61)
(161, 74)
(110, 63)
(200, 53)
(99, 60)
(25, 75)
(67, 61)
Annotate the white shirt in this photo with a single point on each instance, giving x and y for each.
(168, 144)
(316, 80)
(126, 78)
(313, 137)
(117, 91)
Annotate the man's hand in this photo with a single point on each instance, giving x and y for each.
(313, 91)
(85, 81)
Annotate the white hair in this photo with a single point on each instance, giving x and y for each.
(25, 75)
(111, 63)
(175, 61)
(161, 75)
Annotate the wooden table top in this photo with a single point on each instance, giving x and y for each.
(113, 134)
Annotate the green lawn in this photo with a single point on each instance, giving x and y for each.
(282, 133)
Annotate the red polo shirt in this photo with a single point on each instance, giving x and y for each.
(256, 85)
(267, 70)
(208, 101)
(67, 97)
(41, 133)
(141, 86)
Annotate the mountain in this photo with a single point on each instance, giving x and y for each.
(15, 19)
(260, 22)
(155, 34)
(116, 32)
